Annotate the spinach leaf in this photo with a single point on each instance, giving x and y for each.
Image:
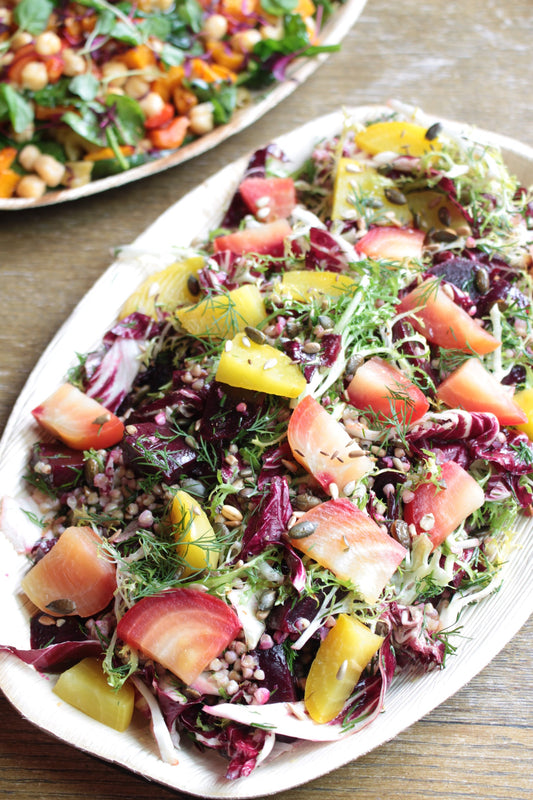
(223, 97)
(85, 86)
(128, 121)
(15, 107)
(171, 56)
(86, 124)
(33, 15)
(278, 7)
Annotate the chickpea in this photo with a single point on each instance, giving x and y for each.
(201, 117)
(151, 104)
(28, 156)
(47, 43)
(215, 27)
(31, 187)
(73, 64)
(245, 41)
(114, 73)
(272, 31)
(25, 135)
(136, 87)
(49, 169)
(20, 39)
(34, 76)
(163, 5)
(6, 16)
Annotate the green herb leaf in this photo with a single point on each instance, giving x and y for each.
(129, 122)
(33, 15)
(278, 7)
(86, 125)
(85, 86)
(171, 56)
(15, 107)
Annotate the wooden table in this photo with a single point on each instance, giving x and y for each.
(468, 60)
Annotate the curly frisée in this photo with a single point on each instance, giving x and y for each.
(298, 454)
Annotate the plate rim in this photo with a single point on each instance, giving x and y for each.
(334, 754)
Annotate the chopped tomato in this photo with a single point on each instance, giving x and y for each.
(182, 629)
(78, 420)
(268, 239)
(473, 388)
(439, 510)
(348, 542)
(169, 136)
(269, 198)
(161, 118)
(74, 577)
(324, 448)
(391, 243)
(443, 322)
(382, 388)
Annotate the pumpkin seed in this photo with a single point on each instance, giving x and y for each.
(256, 336)
(62, 606)
(433, 131)
(303, 529)
(394, 196)
(193, 285)
(444, 216)
(482, 280)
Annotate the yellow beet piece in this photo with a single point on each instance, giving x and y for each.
(434, 210)
(404, 138)
(305, 284)
(196, 542)
(221, 316)
(85, 687)
(361, 193)
(337, 667)
(260, 367)
(164, 290)
(524, 399)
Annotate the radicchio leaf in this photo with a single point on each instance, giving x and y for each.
(269, 520)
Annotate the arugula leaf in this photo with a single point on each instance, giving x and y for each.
(33, 15)
(278, 7)
(15, 107)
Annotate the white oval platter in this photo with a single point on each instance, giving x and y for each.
(333, 32)
(486, 628)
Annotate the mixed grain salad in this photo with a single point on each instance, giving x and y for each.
(92, 88)
(297, 456)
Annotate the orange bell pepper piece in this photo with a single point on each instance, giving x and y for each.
(107, 152)
(170, 136)
(8, 183)
(139, 57)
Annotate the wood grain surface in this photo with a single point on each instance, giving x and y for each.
(468, 60)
